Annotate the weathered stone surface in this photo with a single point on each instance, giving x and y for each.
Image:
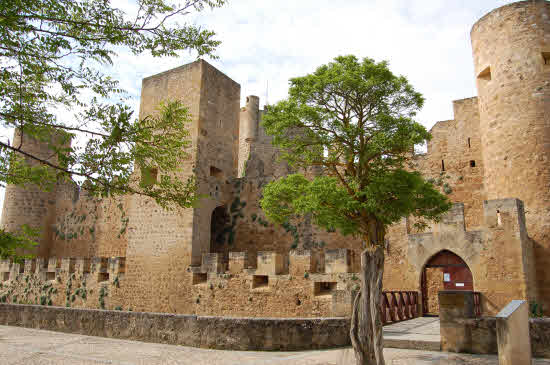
(265, 334)
(514, 345)
(494, 152)
(480, 335)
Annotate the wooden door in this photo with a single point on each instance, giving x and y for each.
(444, 271)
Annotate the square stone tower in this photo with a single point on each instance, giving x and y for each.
(163, 244)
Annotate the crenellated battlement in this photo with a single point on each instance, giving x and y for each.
(98, 268)
(297, 262)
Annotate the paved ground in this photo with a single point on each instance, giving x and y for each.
(23, 346)
(419, 334)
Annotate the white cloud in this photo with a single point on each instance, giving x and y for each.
(272, 41)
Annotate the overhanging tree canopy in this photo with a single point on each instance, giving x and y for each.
(51, 57)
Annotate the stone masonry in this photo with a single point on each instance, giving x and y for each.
(224, 258)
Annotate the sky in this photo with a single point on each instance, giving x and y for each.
(267, 42)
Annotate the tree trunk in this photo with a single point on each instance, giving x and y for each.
(366, 321)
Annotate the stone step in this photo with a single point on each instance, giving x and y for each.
(411, 341)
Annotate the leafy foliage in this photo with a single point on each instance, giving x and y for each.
(54, 90)
(15, 245)
(356, 120)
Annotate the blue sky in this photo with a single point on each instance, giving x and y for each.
(268, 42)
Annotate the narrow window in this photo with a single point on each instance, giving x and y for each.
(442, 165)
(485, 74)
(472, 163)
(214, 171)
(469, 145)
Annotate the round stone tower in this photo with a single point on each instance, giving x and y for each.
(28, 204)
(250, 118)
(511, 51)
(249, 121)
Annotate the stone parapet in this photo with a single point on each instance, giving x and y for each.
(301, 261)
(238, 261)
(243, 334)
(270, 263)
(69, 265)
(212, 262)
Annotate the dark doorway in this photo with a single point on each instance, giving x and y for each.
(218, 228)
(444, 271)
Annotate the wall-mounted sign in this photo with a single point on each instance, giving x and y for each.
(446, 277)
(459, 284)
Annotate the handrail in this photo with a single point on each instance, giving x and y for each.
(397, 306)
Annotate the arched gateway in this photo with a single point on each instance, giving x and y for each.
(443, 271)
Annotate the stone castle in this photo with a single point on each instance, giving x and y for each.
(224, 258)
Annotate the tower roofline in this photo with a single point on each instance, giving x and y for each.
(515, 4)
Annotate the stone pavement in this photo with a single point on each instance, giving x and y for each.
(24, 346)
(416, 334)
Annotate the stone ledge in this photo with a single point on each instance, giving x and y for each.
(224, 333)
(483, 337)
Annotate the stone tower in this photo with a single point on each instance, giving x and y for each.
(164, 243)
(249, 124)
(29, 204)
(511, 51)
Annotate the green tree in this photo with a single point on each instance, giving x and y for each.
(54, 89)
(14, 245)
(355, 119)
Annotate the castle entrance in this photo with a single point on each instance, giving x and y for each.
(444, 271)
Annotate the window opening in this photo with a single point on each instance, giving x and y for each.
(199, 278)
(103, 276)
(442, 165)
(260, 281)
(324, 288)
(469, 145)
(472, 163)
(485, 74)
(217, 173)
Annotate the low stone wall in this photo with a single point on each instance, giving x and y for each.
(284, 334)
(482, 335)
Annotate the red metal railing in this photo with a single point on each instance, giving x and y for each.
(398, 306)
(477, 304)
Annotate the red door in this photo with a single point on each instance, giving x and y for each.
(444, 271)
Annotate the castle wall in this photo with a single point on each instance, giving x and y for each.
(87, 226)
(452, 151)
(499, 255)
(510, 50)
(222, 257)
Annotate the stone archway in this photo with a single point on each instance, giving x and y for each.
(443, 271)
